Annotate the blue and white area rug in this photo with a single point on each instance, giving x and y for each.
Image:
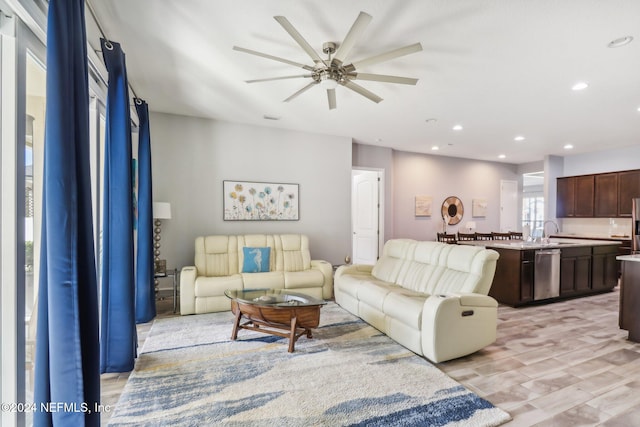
(189, 373)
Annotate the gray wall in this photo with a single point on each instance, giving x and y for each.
(372, 157)
(411, 174)
(192, 156)
(602, 161)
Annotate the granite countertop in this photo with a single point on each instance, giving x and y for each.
(620, 236)
(554, 243)
(635, 258)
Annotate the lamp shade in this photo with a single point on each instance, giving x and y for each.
(162, 210)
(471, 225)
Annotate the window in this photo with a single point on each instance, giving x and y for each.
(533, 214)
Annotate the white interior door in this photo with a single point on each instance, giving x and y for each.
(365, 216)
(508, 206)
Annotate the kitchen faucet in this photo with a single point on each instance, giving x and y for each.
(544, 228)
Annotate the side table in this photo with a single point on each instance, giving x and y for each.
(174, 274)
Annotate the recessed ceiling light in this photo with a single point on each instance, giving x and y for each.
(431, 120)
(638, 108)
(502, 156)
(519, 138)
(268, 117)
(568, 146)
(622, 41)
(435, 148)
(457, 127)
(378, 139)
(580, 86)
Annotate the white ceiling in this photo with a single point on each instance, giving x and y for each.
(500, 68)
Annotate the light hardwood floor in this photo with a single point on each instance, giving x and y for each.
(561, 364)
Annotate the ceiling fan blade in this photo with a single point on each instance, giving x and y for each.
(396, 53)
(362, 91)
(274, 58)
(268, 79)
(331, 96)
(307, 87)
(352, 37)
(298, 38)
(383, 78)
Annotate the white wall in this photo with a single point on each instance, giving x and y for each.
(192, 156)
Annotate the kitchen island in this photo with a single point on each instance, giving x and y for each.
(629, 317)
(529, 272)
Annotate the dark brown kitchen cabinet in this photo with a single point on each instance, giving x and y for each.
(628, 188)
(606, 195)
(575, 196)
(566, 196)
(604, 268)
(513, 279)
(575, 271)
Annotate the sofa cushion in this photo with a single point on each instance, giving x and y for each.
(270, 279)
(256, 260)
(393, 258)
(303, 279)
(405, 306)
(374, 294)
(216, 256)
(465, 270)
(215, 286)
(433, 268)
(295, 252)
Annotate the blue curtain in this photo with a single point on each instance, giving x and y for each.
(145, 292)
(67, 345)
(118, 335)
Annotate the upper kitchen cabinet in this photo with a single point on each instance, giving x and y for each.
(628, 188)
(575, 196)
(605, 195)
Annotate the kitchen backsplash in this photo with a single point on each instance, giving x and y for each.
(596, 227)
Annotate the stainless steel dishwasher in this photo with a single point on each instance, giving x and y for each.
(546, 277)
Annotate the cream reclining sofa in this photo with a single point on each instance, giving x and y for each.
(430, 297)
(218, 266)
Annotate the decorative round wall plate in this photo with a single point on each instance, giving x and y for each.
(452, 210)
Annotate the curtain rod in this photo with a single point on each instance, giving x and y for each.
(104, 36)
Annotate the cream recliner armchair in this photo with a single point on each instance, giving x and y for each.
(219, 264)
(430, 297)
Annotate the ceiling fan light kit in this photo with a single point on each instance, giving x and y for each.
(332, 72)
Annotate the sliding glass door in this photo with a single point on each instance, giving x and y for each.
(35, 103)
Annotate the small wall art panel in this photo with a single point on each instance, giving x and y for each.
(423, 205)
(260, 201)
(479, 208)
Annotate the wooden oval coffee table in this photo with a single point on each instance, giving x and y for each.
(276, 312)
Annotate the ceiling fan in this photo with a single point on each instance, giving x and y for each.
(331, 72)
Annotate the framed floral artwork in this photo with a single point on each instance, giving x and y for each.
(260, 201)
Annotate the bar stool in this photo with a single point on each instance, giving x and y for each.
(484, 236)
(466, 236)
(515, 235)
(500, 236)
(446, 238)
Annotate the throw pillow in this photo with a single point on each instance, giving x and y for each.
(256, 260)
